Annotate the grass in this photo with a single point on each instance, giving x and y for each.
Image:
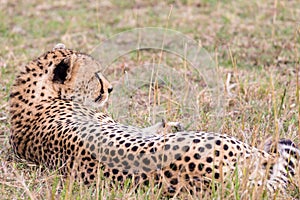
(255, 45)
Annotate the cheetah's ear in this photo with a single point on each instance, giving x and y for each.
(62, 71)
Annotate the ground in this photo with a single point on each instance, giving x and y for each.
(255, 46)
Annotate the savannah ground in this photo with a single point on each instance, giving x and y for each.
(254, 44)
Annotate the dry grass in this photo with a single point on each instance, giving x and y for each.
(255, 45)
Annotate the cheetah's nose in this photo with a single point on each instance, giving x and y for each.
(110, 89)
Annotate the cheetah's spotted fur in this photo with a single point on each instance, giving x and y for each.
(52, 123)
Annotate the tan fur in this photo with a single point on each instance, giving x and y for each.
(53, 123)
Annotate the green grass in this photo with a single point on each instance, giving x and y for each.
(256, 47)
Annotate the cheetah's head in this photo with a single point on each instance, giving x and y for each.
(77, 78)
(60, 74)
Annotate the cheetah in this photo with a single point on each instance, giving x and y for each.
(55, 122)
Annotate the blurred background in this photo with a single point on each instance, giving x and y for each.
(254, 45)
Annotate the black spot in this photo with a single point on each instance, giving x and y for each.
(146, 161)
(168, 174)
(230, 153)
(82, 175)
(92, 164)
(154, 159)
(200, 166)
(142, 144)
(89, 170)
(75, 139)
(174, 181)
(167, 147)
(157, 177)
(121, 152)
(197, 156)
(127, 145)
(115, 171)
(217, 153)
(92, 176)
(201, 149)
(104, 158)
(120, 178)
(171, 189)
(125, 163)
(111, 165)
(112, 152)
(187, 158)
(104, 140)
(187, 177)
(92, 147)
(192, 166)
(218, 142)
(93, 130)
(130, 157)
(209, 159)
(217, 175)
(175, 147)
(196, 140)
(185, 148)
(14, 94)
(173, 166)
(118, 138)
(134, 148)
(93, 156)
(264, 164)
(144, 176)
(162, 157)
(153, 150)
(151, 144)
(116, 159)
(180, 139)
(208, 146)
(146, 169)
(136, 163)
(142, 152)
(208, 170)
(225, 147)
(106, 174)
(178, 156)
